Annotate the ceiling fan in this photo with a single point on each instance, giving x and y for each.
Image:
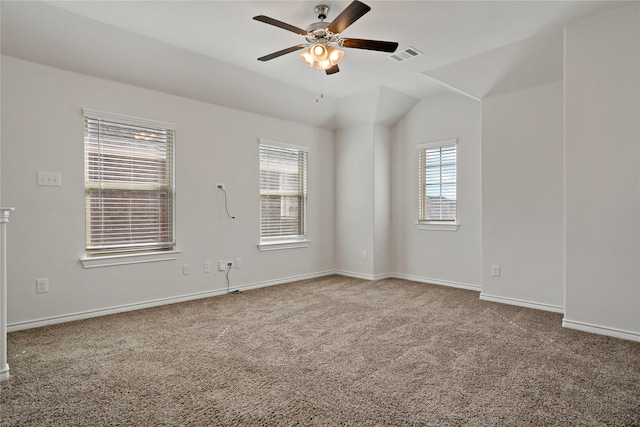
(323, 38)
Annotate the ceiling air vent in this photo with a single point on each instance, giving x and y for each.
(403, 55)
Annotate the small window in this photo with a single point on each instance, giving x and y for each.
(129, 184)
(437, 183)
(283, 192)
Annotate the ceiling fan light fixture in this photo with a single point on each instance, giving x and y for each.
(319, 52)
(321, 38)
(324, 65)
(335, 55)
(307, 58)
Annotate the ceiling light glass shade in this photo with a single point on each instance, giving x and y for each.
(334, 54)
(319, 52)
(323, 65)
(322, 56)
(307, 58)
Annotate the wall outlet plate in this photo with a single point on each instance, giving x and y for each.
(495, 270)
(42, 286)
(49, 179)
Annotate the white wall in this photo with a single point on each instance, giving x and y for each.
(444, 257)
(522, 197)
(602, 146)
(42, 130)
(354, 203)
(382, 200)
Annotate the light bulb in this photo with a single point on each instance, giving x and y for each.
(335, 55)
(307, 58)
(323, 65)
(319, 52)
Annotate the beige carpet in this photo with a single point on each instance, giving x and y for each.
(331, 351)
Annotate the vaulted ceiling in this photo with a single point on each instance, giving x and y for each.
(208, 50)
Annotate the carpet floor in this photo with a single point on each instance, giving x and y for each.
(332, 351)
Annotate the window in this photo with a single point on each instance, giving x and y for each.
(437, 183)
(129, 184)
(283, 193)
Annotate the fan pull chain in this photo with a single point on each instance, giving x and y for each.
(320, 87)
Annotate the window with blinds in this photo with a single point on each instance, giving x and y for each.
(437, 182)
(283, 192)
(129, 184)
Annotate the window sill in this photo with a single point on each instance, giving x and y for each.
(283, 244)
(111, 260)
(440, 226)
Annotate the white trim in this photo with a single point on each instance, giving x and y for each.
(123, 118)
(439, 226)
(4, 373)
(364, 276)
(124, 259)
(522, 303)
(283, 244)
(158, 302)
(601, 330)
(451, 88)
(439, 282)
(263, 141)
(442, 143)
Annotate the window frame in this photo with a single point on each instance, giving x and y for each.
(286, 241)
(140, 252)
(440, 225)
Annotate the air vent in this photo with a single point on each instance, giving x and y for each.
(403, 55)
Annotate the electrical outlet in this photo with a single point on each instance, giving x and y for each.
(495, 270)
(222, 265)
(186, 269)
(42, 286)
(238, 263)
(220, 186)
(365, 255)
(207, 267)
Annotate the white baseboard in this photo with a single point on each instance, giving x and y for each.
(18, 326)
(283, 280)
(4, 373)
(522, 303)
(601, 330)
(449, 283)
(363, 276)
(582, 326)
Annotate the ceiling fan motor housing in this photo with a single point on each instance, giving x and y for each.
(321, 11)
(318, 33)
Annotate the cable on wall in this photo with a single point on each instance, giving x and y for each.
(227, 274)
(226, 207)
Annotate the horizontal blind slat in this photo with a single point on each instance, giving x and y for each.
(282, 191)
(437, 183)
(129, 182)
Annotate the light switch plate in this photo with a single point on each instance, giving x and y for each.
(49, 179)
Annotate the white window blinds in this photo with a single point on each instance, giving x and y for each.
(129, 183)
(437, 182)
(283, 192)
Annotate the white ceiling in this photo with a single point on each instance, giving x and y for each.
(208, 50)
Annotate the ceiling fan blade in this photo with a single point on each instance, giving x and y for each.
(281, 52)
(281, 24)
(332, 70)
(348, 16)
(379, 45)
